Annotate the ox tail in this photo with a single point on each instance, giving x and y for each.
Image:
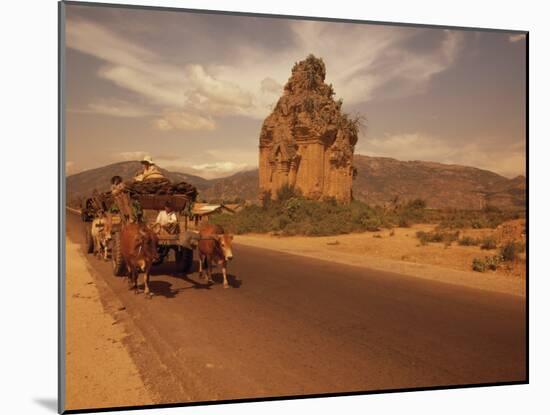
(205, 263)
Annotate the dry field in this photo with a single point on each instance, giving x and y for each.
(399, 250)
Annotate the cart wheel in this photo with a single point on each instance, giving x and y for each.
(119, 267)
(162, 252)
(88, 241)
(184, 259)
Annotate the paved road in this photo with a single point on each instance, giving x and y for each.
(293, 325)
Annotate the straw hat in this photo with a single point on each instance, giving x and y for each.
(147, 160)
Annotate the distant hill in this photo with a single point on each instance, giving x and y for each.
(379, 180)
(242, 185)
(83, 184)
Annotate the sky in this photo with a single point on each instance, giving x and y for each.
(192, 89)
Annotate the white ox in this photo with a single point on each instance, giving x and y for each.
(101, 235)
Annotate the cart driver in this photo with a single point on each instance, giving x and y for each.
(150, 170)
(117, 185)
(167, 219)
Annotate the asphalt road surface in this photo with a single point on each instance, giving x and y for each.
(291, 325)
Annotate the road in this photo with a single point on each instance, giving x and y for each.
(292, 325)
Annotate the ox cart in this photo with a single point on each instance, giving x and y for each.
(176, 246)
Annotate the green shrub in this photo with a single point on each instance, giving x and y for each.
(478, 265)
(489, 217)
(416, 204)
(493, 261)
(404, 222)
(468, 241)
(488, 242)
(511, 250)
(372, 224)
(413, 211)
(437, 236)
(287, 192)
(293, 214)
(489, 262)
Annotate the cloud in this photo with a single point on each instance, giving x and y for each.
(363, 62)
(179, 120)
(70, 168)
(142, 72)
(270, 85)
(507, 161)
(516, 38)
(130, 155)
(114, 108)
(217, 96)
(211, 163)
(220, 167)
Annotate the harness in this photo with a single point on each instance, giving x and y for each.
(208, 238)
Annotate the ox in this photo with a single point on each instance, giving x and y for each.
(214, 249)
(138, 246)
(101, 235)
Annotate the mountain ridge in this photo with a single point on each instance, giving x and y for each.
(379, 180)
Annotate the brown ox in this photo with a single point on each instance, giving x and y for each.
(138, 246)
(214, 249)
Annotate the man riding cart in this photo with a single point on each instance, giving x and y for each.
(156, 203)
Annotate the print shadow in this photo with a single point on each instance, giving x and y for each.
(48, 403)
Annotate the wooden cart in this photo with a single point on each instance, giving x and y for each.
(177, 246)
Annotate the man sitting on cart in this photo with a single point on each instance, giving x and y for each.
(150, 171)
(167, 220)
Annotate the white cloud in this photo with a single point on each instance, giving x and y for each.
(271, 86)
(179, 120)
(217, 96)
(220, 167)
(114, 108)
(146, 83)
(69, 168)
(130, 155)
(507, 161)
(360, 59)
(141, 71)
(516, 38)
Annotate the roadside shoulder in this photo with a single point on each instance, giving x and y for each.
(99, 369)
(487, 281)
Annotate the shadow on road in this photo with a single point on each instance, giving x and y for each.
(231, 279)
(162, 288)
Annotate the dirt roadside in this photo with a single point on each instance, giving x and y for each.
(99, 369)
(399, 252)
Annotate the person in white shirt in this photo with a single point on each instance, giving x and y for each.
(167, 219)
(150, 171)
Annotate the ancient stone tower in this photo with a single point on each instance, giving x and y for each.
(307, 142)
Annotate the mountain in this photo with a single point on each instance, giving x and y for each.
(378, 181)
(83, 184)
(242, 185)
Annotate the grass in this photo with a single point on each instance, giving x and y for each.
(437, 236)
(292, 214)
(487, 263)
(489, 217)
(488, 242)
(510, 251)
(468, 241)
